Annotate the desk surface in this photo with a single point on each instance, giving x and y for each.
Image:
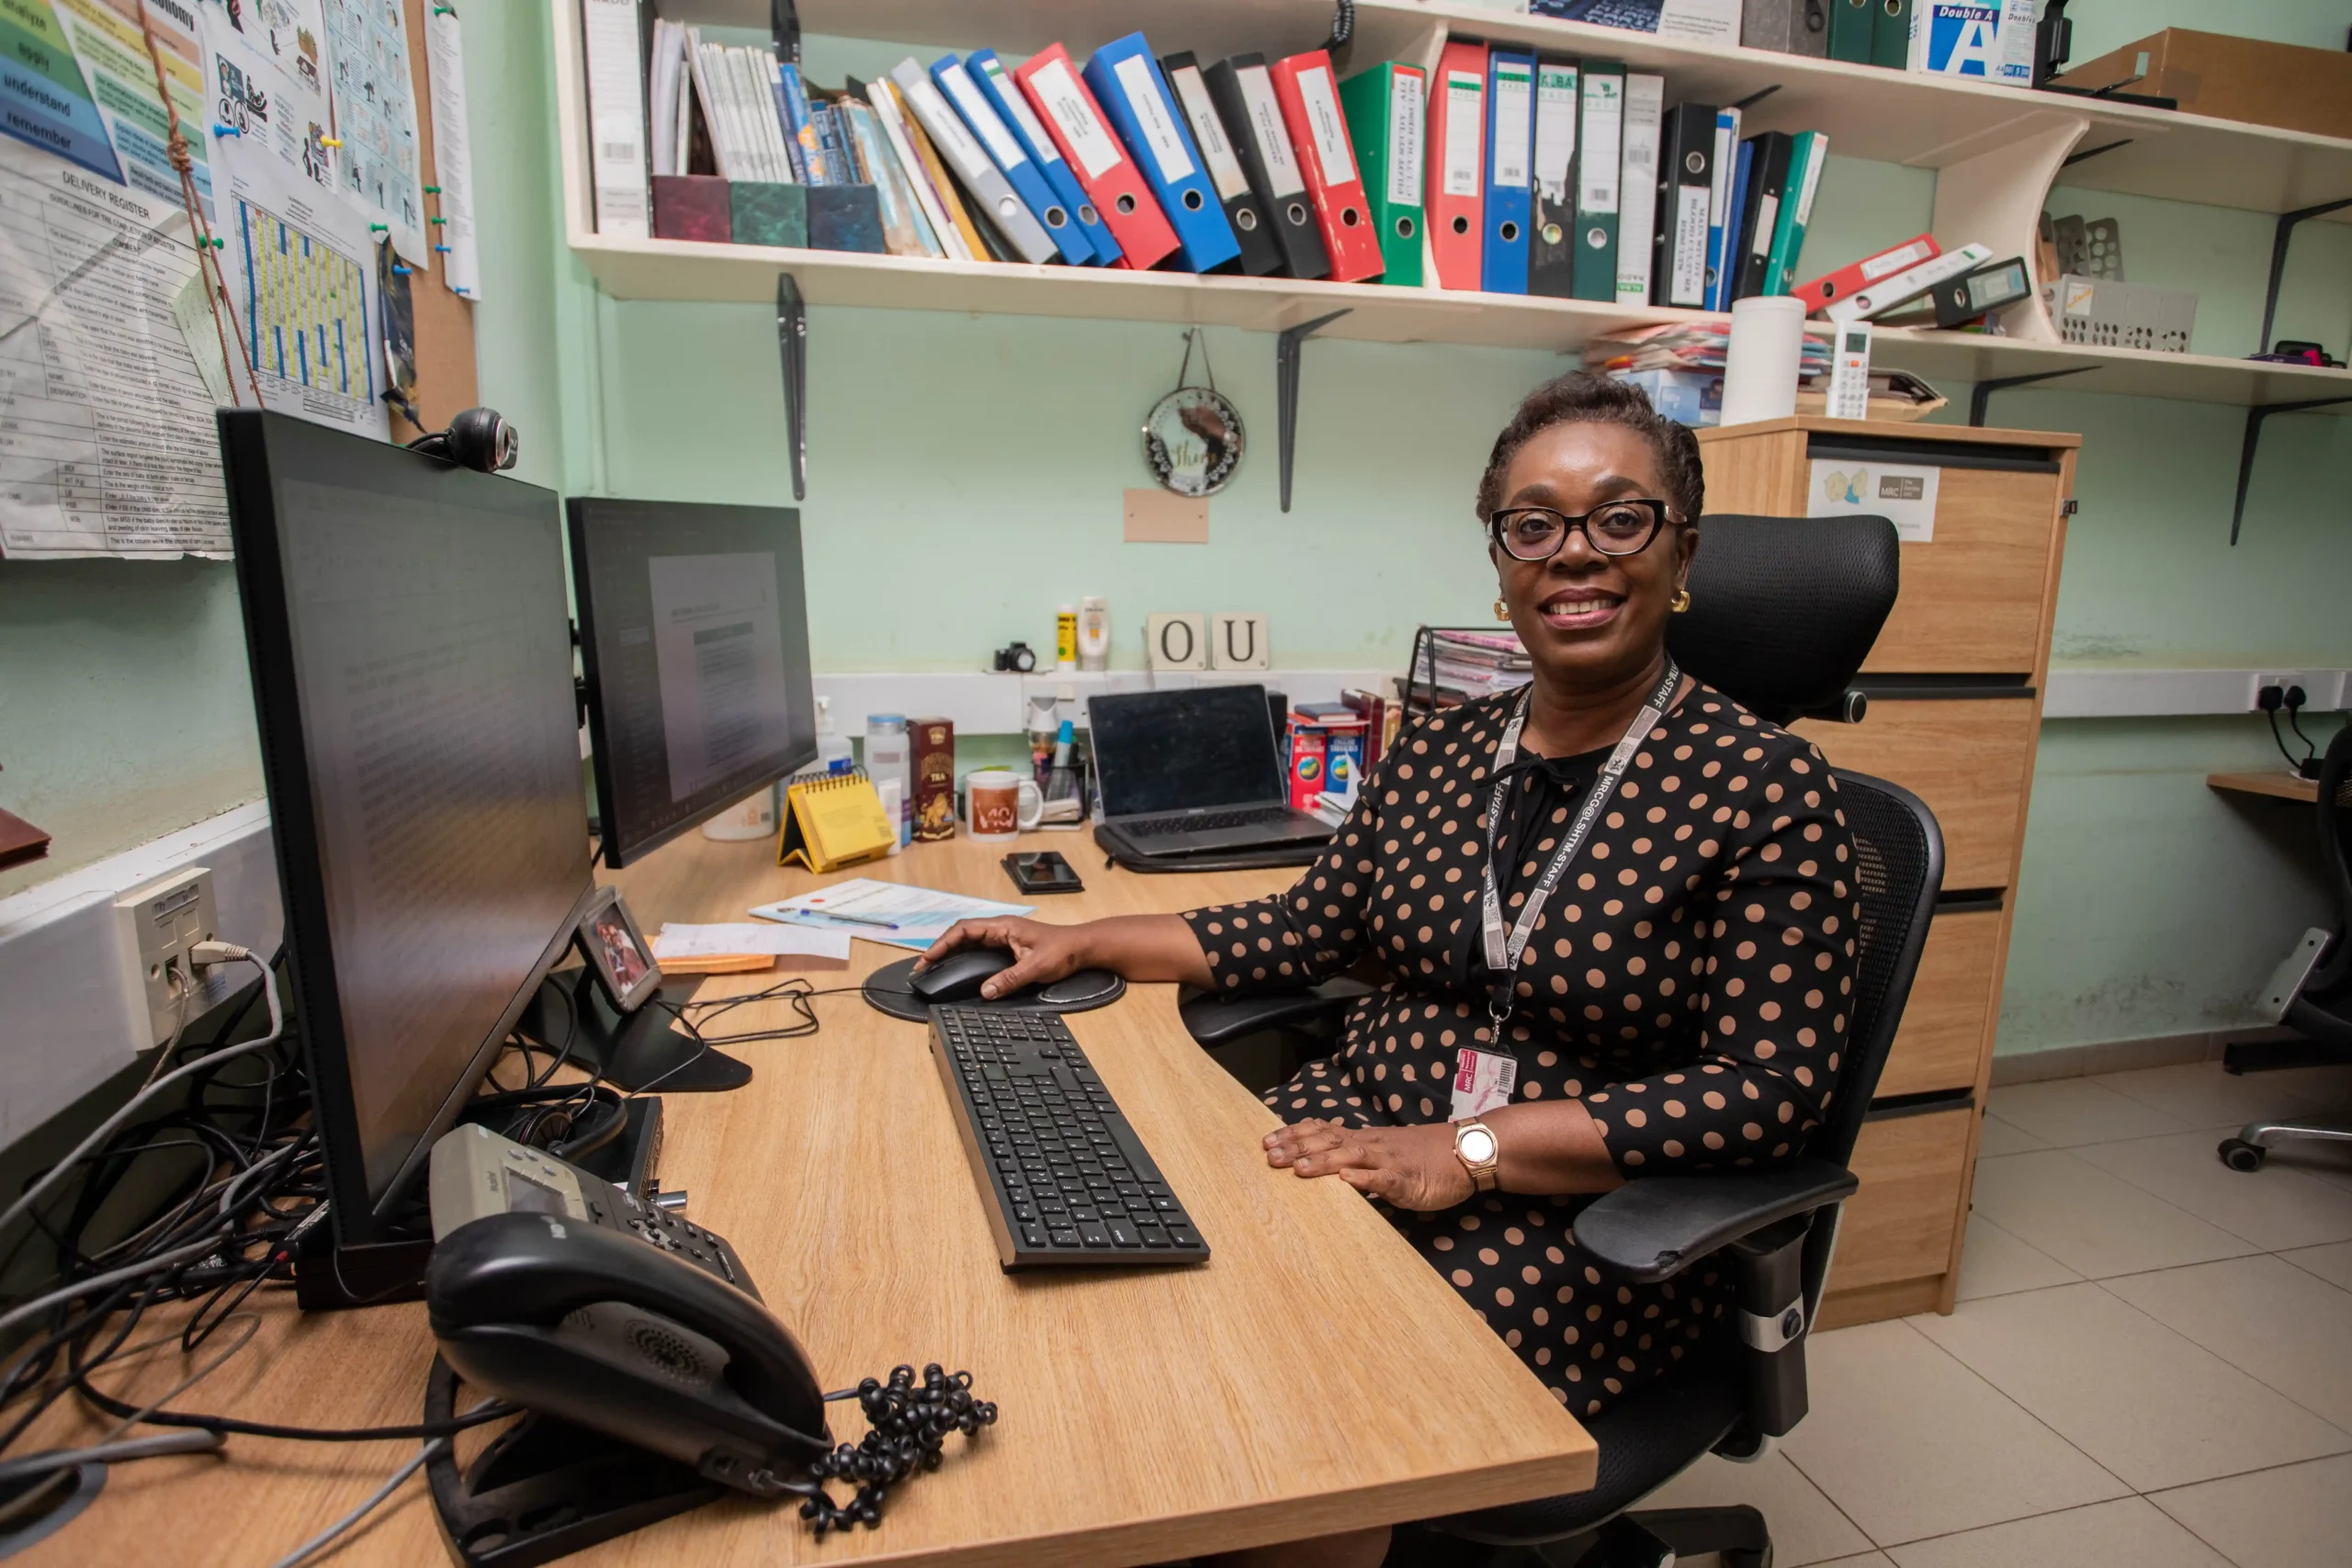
(1315, 1375)
(2276, 783)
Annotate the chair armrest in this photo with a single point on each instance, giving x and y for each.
(1214, 1019)
(1653, 1228)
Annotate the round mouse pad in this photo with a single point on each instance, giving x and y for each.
(886, 990)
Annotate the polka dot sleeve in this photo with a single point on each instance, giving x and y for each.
(1777, 972)
(1307, 935)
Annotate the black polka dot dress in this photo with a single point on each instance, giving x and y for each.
(1690, 981)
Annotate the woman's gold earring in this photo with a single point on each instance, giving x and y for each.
(1502, 610)
(1680, 601)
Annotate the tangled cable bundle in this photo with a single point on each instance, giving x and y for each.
(909, 1426)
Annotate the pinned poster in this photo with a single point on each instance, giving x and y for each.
(453, 157)
(77, 82)
(375, 119)
(296, 251)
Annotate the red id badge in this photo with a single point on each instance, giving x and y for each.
(1482, 1082)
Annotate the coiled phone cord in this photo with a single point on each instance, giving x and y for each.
(910, 1425)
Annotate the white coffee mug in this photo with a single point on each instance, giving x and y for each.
(1001, 803)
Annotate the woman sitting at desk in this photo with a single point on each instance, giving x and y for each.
(1667, 996)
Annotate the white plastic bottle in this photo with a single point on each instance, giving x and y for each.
(1094, 633)
(890, 755)
(833, 754)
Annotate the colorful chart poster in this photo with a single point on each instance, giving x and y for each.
(73, 60)
(375, 116)
(297, 254)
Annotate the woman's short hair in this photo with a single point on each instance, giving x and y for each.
(1587, 397)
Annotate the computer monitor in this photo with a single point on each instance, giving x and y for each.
(693, 638)
(412, 668)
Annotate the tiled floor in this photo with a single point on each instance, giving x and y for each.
(2150, 1367)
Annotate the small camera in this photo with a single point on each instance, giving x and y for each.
(1016, 658)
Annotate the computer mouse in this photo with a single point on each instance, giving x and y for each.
(957, 977)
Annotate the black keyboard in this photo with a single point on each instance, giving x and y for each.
(1068, 1179)
(1161, 827)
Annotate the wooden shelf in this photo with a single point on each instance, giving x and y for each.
(1998, 148)
(692, 271)
(1891, 116)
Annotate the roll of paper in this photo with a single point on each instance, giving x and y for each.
(1762, 365)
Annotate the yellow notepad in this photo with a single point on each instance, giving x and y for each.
(832, 822)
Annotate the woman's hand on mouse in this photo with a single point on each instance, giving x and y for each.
(1041, 952)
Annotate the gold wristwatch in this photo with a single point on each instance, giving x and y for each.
(1475, 1146)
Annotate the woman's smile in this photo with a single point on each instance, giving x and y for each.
(1580, 608)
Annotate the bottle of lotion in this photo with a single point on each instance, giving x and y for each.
(1094, 633)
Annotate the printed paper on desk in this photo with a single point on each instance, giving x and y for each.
(749, 936)
(1845, 487)
(889, 912)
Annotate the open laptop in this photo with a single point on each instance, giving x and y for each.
(1191, 771)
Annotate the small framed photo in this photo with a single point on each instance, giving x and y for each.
(619, 952)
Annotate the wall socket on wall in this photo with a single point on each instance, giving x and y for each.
(158, 927)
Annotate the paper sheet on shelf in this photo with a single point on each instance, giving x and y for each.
(453, 159)
(889, 912)
(747, 936)
(380, 163)
(107, 440)
(297, 254)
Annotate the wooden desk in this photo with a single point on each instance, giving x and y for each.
(1315, 1375)
(2276, 783)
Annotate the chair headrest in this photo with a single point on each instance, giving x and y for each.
(1783, 610)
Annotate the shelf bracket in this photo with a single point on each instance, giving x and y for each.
(1286, 388)
(2288, 221)
(2254, 419)
(1983, 396)
(2074, 159)
(792, 348)
(784, 26)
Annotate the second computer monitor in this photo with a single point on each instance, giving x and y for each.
(693, 638)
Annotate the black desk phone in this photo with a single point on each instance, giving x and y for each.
(557, 1290)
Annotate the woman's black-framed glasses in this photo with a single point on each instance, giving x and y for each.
(1618, 528)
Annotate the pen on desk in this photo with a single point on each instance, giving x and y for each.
(859, 919)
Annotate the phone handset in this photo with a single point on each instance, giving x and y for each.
(598, 1328)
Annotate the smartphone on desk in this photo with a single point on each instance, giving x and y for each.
(1045, 871)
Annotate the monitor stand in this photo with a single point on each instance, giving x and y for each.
(636, 1052)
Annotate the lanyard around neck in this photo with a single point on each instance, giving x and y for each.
(1506, 948)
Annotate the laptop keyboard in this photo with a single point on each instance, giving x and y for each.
(1161, 827)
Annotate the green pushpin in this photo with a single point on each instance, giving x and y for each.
(436, 220)
(433, 190)
(379, 228)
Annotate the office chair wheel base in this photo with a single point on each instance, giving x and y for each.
(2239, 1155)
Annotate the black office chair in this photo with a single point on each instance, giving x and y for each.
(1783, 612)
(2312, 992)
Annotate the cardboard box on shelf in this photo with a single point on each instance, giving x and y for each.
(2245, 79)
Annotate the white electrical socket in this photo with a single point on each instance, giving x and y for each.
(2324, 691)
(158, 927)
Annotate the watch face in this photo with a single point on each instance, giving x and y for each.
(1476, 1143)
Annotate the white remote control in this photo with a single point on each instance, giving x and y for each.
(1850, 372)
